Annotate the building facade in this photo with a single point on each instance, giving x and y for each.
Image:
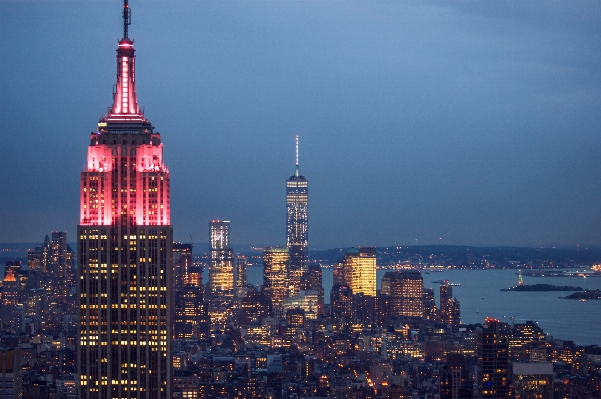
(454, 378)
(405, 290)
(59, 269)
(125, 249)
(221, 268)
(429, 304)
(341, 304)
(450, 308)
(190, 313)
(10, 311)
(359, 267)
(493, 360)
(275, 275)
(183, 265)
(11, 374)
(312, 279)
(240, 277)
(532, 380)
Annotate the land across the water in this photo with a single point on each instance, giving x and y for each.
(586, 294)
(560, 273)
(543, 287)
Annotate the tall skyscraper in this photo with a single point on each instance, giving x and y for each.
(59, 268)
(125, 247)
(446, 296)
(429, 304)
(38, 259)
(360, 270)
(338, 274)
(449, 307)
(341, 305)
(221, 268)
(312, 279)
(190, 312)
(11, 315)
(297, 223)
(493, 360)
(240, 277)
(51, 279)
(182, 265)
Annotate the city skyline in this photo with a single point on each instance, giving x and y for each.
(463, 124)
(127, 315)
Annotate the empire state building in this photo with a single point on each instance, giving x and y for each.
(124, 244)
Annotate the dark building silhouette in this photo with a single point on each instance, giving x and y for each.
(190, 313)
(449, 306)
(253, 308)
(532, 380)
(11, 374)
(312, 280)
(182, 265)
(12, 313)
(493, 360)
(454, 379)
(341, 303)
(364, 309)
(295, 322)
(338, 277)
(59, 268)
(240, 277)
(429, 304)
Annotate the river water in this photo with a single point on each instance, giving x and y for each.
(480, 297)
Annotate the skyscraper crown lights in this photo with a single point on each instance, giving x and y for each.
(125, 107)
(125, 151)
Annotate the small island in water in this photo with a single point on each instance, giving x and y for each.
(583, 296)
(543, 287)
(521, 287)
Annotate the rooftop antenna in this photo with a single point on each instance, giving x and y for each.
(126, 18)
(296, 173)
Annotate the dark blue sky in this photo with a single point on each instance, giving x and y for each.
(475, 122)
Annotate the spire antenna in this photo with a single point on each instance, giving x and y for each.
(125, 101)
(126, 17)
(297, 155)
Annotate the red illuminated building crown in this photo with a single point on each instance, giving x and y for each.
(125, 181)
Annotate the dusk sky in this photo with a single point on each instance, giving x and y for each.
(470, 122)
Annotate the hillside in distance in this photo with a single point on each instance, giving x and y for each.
(458, 256)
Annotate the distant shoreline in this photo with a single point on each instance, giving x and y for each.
(542, 287)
